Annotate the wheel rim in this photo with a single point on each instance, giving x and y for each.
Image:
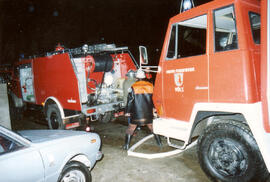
(74, 176)
(54, 120)
(228, 158)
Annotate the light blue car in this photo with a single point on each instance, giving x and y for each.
(47, 155)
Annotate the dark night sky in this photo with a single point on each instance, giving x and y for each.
(36, 26)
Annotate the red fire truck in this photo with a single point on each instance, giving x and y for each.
(85, 82)
(213, 84)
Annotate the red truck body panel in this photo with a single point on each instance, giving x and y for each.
(54, 77)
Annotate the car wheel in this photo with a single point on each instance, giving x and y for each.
(105, 118)
(75, 172)
(227, 152)
(54, 117)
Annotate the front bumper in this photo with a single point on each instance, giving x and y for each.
(99, 155)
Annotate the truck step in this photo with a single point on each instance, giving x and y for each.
(172, 128)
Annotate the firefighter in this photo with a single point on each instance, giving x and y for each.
(139, 107)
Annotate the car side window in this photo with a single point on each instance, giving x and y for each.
(255, 22)
(188, 38)
(225, 29)
(8, 145)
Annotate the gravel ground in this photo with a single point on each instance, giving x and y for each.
(118, 167)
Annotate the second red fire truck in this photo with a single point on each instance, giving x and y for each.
(73, 84)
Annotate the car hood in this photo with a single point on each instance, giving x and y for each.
(37, 136)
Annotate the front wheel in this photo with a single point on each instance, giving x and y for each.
(228, 152)
(75, 172)
(54, 117)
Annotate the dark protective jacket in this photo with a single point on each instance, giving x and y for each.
(140, 103)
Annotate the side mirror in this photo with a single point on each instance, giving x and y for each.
(143, 55)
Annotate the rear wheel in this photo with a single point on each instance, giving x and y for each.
(75, 172)
(54, 117)
(227, 152)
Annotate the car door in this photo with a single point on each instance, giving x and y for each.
(185, 73)
(19, 162)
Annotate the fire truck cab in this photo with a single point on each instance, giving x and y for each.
(209, 86)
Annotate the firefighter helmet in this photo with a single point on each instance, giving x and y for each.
(140, 74)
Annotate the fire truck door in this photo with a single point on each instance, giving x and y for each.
(185, 73)
(226, 64)
(26, 81)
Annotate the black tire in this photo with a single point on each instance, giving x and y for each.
(54, 117)
(228, 152)
(106, 117)
(75, 171)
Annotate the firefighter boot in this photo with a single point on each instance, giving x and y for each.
(158, 140)
(127, 141)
